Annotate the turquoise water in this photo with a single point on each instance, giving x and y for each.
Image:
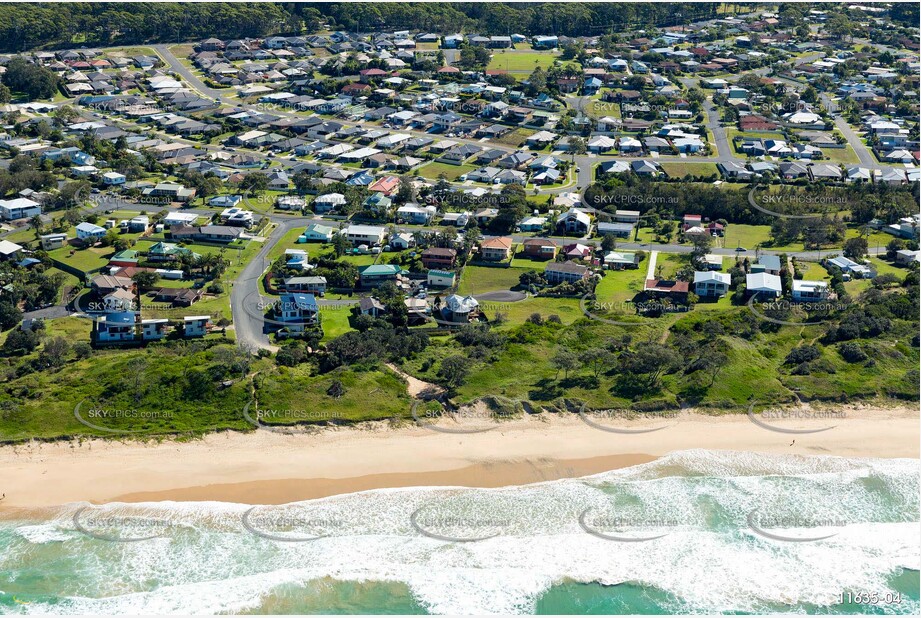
(671, 536)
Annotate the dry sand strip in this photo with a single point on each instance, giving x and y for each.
(269, 467)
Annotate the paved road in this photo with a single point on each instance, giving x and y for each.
(246, 303)
(720, 139)
(863, 153)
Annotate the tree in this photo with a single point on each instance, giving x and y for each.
(146, 279)
(855, 248)
(598, 359)
(895, 245)
(10, 315)
(566, 360)
(254, 183)
(336, 389)
(53, 352)
(34, 81)
(454, 370)
(650, 360)
(20, 342)
(608, 242)
(341, 244)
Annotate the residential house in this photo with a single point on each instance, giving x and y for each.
(460, 309)
(19, 208)
(195, 325)
(574, 221)
(371, 235)
(439, 258)
(496, 249)
(540, 248)
(89, 232)
(373, 276)
(311, 285)
(316, 232)
(619, 260)
(566, 272)
(765, 285)
(441, 278)
(708, 284)
(809, 291)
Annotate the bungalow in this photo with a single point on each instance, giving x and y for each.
(905, 257)
(289, 202)
(113, 178)
(566, 272)
(809, 291)
(311, 285)
(659, 288)
(416, 214)
(374, 275)
(645, 168)
(767, 264)
(824, 171)
(328, 202)
(316, 232)
(709, 284)
(439, 258)
(368, 305)
(496, 249)
(849, 267)
(532, 224)
(169, 191)
(618, 230)
(763, 284)
(540, 248)
(225, 201)
(206, 233)
(617, 260)
(53, 241)
(441, 278)
(460, 309)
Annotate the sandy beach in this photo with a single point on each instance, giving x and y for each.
(272, 468)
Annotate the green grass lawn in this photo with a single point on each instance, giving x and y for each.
(478, 279)
(335, 321)
(514, 138)
(369, 395)
(621, 285)
(452, 172)
(87, 260)
(520, 61)
(679, 169)
(844, 155)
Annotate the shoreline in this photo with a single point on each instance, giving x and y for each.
(273, 468)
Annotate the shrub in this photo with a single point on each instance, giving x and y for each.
(802, 354)
(852, 353)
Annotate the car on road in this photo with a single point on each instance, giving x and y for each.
(741, 249)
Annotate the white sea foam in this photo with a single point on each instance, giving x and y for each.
(207, 562)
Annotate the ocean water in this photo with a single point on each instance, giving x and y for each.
(694, 532)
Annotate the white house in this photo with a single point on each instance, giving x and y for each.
(113, 178)
(89, 231)
(809, 291)
(195, 325)
(19, 208)
(365, 234)
(765, 285)
(709, 284)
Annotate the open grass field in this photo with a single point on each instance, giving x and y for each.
(520, 61)
(844, 155)
(680, 169)
(478, 279)
(514, 138)
(369, 395)
(433, 170)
